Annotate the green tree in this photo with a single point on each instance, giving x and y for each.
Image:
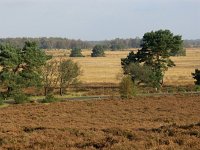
(21, 68)
(68, 73)
(76, 52)
(155, 52)
(196, 76)
(98, 51)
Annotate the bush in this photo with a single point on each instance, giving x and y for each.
(49, 99)
(127, 88)
(197, 88)
(196, 76)
(76, 52)
(98, 51)
(20, 98)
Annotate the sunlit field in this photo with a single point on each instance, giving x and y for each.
(108, 69)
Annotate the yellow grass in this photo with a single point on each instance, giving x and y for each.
(106, 69)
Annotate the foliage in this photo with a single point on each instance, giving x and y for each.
(156, 50)
(49, 99)
(196, 76)
(68, 73)
(127, 88)
(63, 43)
(1, 100)
(142, 74)
(98, 51)
(20, 98)
(197, 88)
(21, 68)
(50, 76)
(76, 52)
(60, 74)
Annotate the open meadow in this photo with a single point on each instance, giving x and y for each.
(108, 69)
(168, 122)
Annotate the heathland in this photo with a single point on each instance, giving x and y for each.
(168, 122)
(143, 122)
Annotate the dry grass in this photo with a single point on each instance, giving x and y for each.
(140, 123)
(106, 69)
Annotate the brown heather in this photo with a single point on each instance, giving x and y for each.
(170, 122)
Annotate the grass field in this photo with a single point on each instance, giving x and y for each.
(107, 69)
(141, 123)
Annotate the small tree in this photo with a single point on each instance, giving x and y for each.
(76, 52)
(68, 73)
(196, 76)
(50, 76)
(98, 51)
(127, 88)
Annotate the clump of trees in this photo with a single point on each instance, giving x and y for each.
(60, 74)
(76, 52)
(21, 68)
(149, 64)
(30, 67)
(98, 51)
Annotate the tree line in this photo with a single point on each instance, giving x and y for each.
(64, 43)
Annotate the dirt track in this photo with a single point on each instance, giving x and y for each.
(141, 123)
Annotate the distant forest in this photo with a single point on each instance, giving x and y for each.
(64, 43)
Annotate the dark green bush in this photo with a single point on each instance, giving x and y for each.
(49, 99)
(196, 76)
(20, 98)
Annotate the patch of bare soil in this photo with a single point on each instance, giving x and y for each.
(141, 123)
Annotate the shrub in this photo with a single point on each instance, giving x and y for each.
(197, 88)
(127, 88)
(196, 76)
(98, 51)
(49, 99)
(76, 52)
(20, 98)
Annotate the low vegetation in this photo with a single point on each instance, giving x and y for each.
(168, 122)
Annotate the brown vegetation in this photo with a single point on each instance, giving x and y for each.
(141, 123)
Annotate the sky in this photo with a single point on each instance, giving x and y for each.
(98, 19)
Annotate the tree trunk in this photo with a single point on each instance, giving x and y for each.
(45, 91)
(61, 92)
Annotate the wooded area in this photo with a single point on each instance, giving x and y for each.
(64, 43)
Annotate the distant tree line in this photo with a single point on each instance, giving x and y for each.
(192, 43)
(48, 43)
(64, 43)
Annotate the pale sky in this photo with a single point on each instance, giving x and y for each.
(98, 19)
